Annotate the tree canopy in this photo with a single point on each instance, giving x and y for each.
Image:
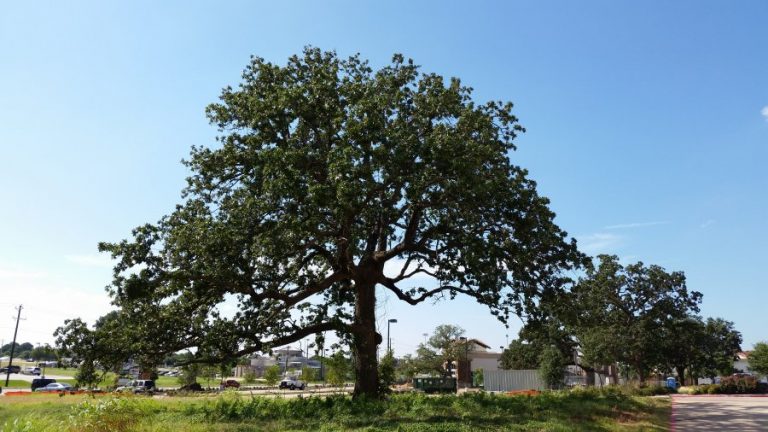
(624, 310)
(699, 348)
(758, 358)
(326, 170)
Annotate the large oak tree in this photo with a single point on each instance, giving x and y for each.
(325, 172)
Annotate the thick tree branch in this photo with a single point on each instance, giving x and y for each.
(402, 295)
(290, 299)
(257, 345)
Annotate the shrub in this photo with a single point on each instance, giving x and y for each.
(308, 374)
(738, 384)
(272, 375)
(700, 389)
(713, 389)
(249, 377)
(111, 414)
(552, 365)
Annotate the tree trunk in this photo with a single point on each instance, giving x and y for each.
(680, 374)
(365, 341)
(640, 373)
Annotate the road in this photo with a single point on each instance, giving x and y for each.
(719, 413)
(29, 378)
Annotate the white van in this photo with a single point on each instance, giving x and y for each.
(31, 370)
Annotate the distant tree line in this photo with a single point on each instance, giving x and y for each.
(639, 317)
(28, 351)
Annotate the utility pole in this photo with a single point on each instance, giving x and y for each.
(389, 340)
(13, 345)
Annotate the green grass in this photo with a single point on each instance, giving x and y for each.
(555, 411)
(15, 384)
(61, 371)
(169, 382)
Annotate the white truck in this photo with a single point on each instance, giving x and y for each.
(292, 383)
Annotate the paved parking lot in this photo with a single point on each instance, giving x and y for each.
(719, 413)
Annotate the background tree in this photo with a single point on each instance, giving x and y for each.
(623, 311)
(249, 377)
(208, 373)
(308, 374)
(98, 350)
(387, 372)
(427, 361)
(189, 373)
(445, 341)
(272, 375)
(552, 364)
(723, 344)
(684, 343)
(521, 355)
(43, 353)
(87, 376)
(337, 369)
(22, 350)
(326, 171)
(695, 348)
(758, 358)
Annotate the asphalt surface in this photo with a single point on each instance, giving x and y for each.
(719, 413)
(29, 378)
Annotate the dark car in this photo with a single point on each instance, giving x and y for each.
(14, 369)
(41, 382)
(230, 383)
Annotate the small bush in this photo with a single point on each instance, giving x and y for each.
(112, 414)
(738, 384)
(249, 377)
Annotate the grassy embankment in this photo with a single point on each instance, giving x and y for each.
(550, 411)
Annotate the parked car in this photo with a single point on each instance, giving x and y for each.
(123, 389)
(230, 383)
(292, 383)
(41, 382)
(143, 386)
(55, 387)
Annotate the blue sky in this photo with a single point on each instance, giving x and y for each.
(646, 127)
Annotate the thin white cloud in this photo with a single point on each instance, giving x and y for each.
(599, 243)
(636, 225)
(94, 260)
(47, 304)
(764, 112)
(14, 274)
(707, 223)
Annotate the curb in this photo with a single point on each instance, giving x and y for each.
(719, 396)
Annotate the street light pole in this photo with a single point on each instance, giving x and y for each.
(389, 340)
